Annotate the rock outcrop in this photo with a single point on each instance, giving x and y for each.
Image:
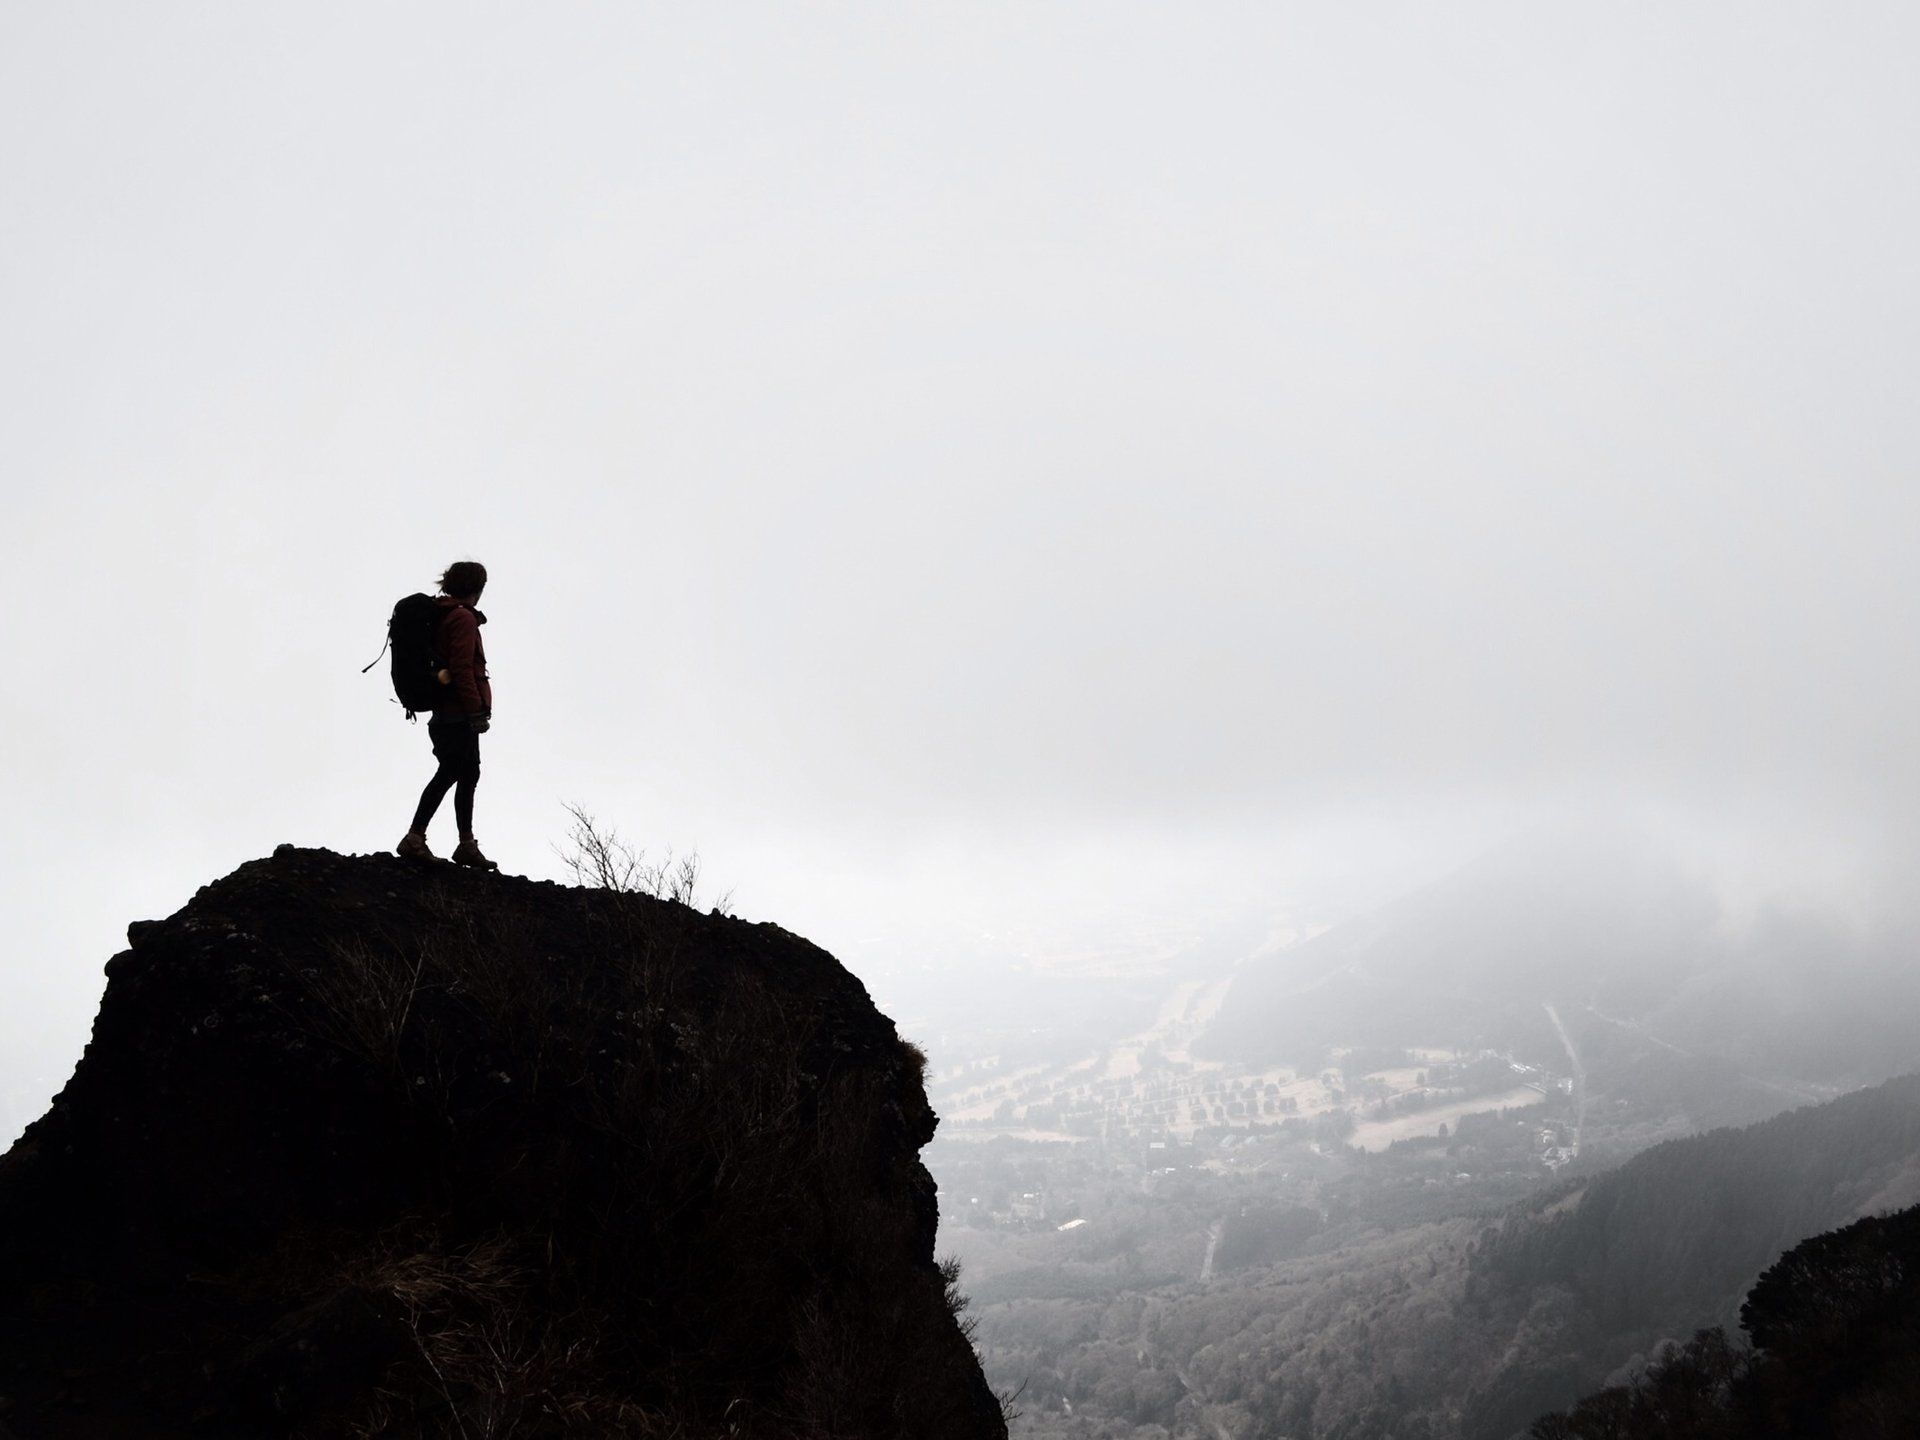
(361, 1148)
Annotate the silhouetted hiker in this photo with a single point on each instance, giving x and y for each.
(462, 710)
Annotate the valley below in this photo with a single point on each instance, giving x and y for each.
(1362, 1229)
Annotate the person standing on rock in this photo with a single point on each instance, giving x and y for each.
(461, 714)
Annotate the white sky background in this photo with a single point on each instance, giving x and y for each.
(938, 460)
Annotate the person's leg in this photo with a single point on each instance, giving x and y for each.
(430, 799)
(445, 750)
(462, 762)
(468, 773)
(463, 804)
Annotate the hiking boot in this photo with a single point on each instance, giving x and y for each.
(468, 853)
(413, 846)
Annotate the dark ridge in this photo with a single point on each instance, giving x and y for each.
(1670, 1241)
(1834, 1327)
(363, 1148)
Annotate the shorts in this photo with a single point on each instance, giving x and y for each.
(456, 745)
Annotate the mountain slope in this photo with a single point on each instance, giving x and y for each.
(1671, 1241)
(1617, 933)
(1837, 1326)
(1595, 916)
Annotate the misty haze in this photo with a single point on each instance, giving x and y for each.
(1312, 608)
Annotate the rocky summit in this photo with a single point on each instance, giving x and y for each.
(365, 1148)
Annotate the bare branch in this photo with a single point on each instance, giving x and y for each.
(600, 859)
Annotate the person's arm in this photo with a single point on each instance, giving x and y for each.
(459, 634)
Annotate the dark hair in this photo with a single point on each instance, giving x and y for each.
(464, 577)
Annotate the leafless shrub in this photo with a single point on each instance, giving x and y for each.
(956, 1300)
(496, 1357)
(917, 1058)
(598, 857)
(1009, 1403)
(492, 964)
(957, 1304)
(363, 995)
(828, 1372)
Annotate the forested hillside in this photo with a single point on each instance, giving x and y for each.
(1671, 1240)
(1836, 1323)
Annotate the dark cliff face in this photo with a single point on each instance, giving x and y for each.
(361, 1148)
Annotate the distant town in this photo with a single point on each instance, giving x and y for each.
(1147, 1103)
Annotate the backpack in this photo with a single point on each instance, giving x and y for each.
(413, 634)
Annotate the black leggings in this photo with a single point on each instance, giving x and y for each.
(456, 745)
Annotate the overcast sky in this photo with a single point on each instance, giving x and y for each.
(943, 457)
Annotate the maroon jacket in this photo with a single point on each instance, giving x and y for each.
(463, 660)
